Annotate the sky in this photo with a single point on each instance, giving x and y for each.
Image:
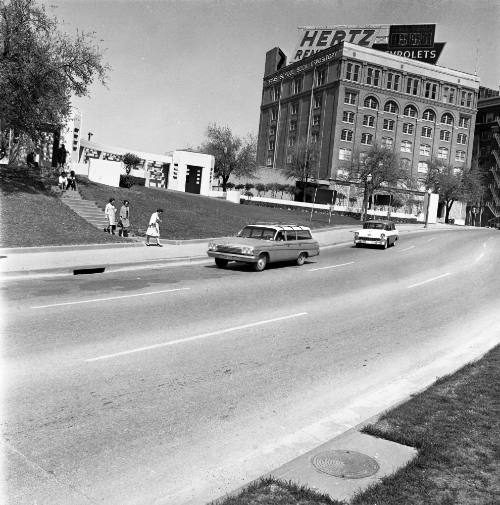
(180, 65)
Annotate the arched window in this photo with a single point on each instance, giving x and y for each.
(410, 111)
(391, 106)
(428, 115)
(447, 118)
(371, 102)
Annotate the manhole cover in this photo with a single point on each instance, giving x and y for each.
(345, 464)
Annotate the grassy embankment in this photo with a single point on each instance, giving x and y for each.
(455, 426)
(31, 215)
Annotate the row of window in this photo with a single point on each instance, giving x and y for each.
(413, 85)
(408, 128)
(371, 102)
(345, 153)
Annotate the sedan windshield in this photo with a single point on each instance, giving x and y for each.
(257, 232)
(373, 226)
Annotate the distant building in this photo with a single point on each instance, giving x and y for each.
(487, 153)
(347, 98)
(186, 171)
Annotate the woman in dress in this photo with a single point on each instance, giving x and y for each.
(153, 230)
(110, 212)
(124, 222)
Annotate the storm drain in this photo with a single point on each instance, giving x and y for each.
(345, 464)
(86, 271)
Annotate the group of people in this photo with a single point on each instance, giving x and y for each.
(123, 223)
(67, 181)
(123, 220)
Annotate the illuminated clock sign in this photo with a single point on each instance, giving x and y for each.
(410, 41)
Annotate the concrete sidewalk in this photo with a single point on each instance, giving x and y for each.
(71, 260)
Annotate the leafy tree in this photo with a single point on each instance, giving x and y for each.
(41, 68)
(233, 155)
(442, 179)
(230, 185)
(376, 168)
(260, 188)
(239, 186)
(130, 160)
(249, 186)
(303, 164)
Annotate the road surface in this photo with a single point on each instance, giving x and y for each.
(174, 386)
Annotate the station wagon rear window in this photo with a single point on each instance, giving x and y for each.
(303, 235)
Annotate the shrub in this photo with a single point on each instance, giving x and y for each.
(127, 181)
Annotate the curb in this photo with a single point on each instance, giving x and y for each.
(141, 264)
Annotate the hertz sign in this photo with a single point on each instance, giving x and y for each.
(411, 41)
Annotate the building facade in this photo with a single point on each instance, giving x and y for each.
(347, 98)
(487, 153)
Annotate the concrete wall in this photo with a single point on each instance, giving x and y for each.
(105, 172)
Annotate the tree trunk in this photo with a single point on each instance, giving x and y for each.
(448, 205)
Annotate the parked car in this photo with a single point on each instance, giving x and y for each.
(261, 244)
(377, 232)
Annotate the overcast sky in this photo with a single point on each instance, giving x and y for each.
(179, 65)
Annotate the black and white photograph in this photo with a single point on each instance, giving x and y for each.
(249, 252)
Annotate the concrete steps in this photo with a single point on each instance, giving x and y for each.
(86, 209)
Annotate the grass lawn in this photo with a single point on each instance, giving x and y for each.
(30, 215)
(188, 216)
(455, 426)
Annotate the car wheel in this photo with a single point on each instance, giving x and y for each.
(301, 259)
(385, 244)
(261, 263)
(357, 245)
(221, 263)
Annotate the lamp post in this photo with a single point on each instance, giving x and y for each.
(429, 192)
(366, 195)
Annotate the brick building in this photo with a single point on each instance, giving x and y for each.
(487, 152)
(347, 98)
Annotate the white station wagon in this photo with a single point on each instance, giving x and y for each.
(261, 244)
(377, 232)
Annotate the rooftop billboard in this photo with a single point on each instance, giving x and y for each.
(411, 41)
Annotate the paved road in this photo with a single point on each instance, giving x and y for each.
(174, 386)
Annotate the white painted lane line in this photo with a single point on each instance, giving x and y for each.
(196, 337)
(431, 239)
(407, 249)
(429, 280)
(331, 266)
(110, 298)
(479, 258)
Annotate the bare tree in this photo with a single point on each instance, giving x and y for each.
(376, 168)
(303, 164)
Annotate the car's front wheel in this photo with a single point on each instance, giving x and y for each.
(261, 263)
(221, 263)
(301, 259)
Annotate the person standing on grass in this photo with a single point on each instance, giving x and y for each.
(124, 223)
(110, 212)
(154, 227)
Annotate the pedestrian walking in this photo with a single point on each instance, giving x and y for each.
(110, 212)
(61, 156)
(124, 222)
(63, 181)
(153, 230)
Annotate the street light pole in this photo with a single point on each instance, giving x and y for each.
(429, 192)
